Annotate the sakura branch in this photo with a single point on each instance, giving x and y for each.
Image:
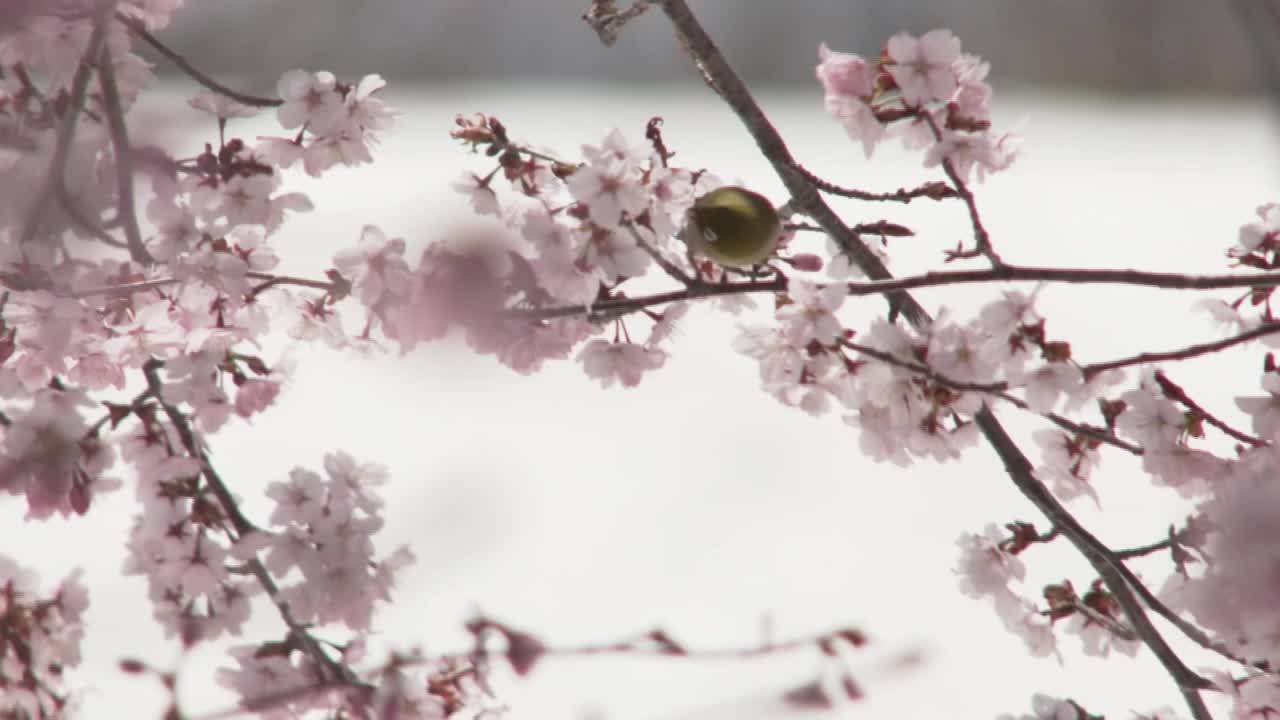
(933, 190)
(981, 238)
(708, 57)
(1186, 353)
(139, 30)
(1175, 391)
(330, 670)
(184, 309)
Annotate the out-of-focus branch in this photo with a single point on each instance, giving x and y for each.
(67, 129)
(125, 202)
(140, 31)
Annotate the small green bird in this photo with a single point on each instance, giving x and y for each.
(733, 226)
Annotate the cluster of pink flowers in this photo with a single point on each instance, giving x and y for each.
(41, 635)
(118, 365)
(924, 91)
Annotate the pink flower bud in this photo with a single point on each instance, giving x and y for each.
(806, 262)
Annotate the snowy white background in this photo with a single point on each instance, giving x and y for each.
(695, 502)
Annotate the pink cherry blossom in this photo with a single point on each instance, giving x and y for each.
(621, 362)
(1252, 235)
(967, 150)
(377, 267)
(843, 74)
(477, 191)
(311, 99)
(922, 67)
(1265, 410)
(810, 317)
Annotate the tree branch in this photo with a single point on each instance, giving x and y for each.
(125, 203)
(140, 31)
(805, 197)
(67, 130)
(330, 669)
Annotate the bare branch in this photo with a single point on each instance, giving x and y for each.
(933, 190)
(1185, 353)
(140, 31)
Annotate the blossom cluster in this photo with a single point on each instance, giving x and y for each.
(173, 315)
(924, 91)
(41, 633)
(127, 339)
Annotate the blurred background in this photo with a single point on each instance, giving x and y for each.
(697, 503)
(1136, 46)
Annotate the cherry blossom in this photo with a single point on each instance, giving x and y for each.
(621, 362)
(1044, 707)
(376, 268)
(43, 631)
(810, 317)
(1265, 410)
(311, 99)
(922, 67)
(844, 74)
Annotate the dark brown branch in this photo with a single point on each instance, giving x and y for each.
(125, 202)
(709, 60)
(932, 190)
(623, 306)
(926, 371)
(1175, 392)
(1005, 273)
(998, 390)
(724, 79)
(1142, 550)
(140, 31)
(1082, 276)
(1185, 353)
(980, 235)
(1117, 577)
(331, 669)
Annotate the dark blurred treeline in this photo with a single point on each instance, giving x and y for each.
(1120, 46)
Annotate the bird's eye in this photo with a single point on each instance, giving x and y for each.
(708, 234)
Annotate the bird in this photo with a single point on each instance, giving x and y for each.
(733, 226)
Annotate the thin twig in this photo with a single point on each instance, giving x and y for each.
(1112, 625)
(1141, 550)
(125, 203)
(926, 371)
(980, 235)
(932, 190)
(1183, 354)
(1175, 391)
(139, 30)
(1006, 273)
(667, 266)
(268, 279)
